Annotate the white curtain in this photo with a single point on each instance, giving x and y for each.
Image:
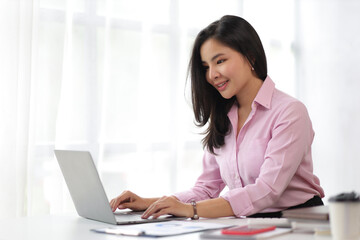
(16, 29)
(109, 76)
(327, 42)
(104, 76)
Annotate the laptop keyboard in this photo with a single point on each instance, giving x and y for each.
(128, 213)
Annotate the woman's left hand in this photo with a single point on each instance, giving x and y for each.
(168, 205)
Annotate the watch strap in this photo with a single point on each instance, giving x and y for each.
(195, 216)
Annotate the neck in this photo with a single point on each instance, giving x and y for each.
(247, 96)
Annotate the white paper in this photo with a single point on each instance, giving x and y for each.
(161, 229)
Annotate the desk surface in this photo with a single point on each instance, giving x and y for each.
(74, 227)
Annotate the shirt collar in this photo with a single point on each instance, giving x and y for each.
(264, 96)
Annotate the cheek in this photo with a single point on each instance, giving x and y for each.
(207, 78)
(233, 70)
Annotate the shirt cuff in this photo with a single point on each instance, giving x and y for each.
(185, 197)
(240, 202)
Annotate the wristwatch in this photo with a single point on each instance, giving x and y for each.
(196, 216)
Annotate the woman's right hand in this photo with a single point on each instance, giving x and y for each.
(130, 200)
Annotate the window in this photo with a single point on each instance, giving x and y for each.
(110, 78)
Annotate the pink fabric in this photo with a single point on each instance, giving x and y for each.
(268, 167)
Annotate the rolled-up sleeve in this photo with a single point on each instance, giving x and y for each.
(208, 185)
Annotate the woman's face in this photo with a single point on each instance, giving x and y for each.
(227, 70)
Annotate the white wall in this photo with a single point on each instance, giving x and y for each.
(328, 70)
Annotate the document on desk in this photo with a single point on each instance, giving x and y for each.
(162, 229)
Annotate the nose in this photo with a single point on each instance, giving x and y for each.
(213, 74)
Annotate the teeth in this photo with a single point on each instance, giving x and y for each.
(220, 85)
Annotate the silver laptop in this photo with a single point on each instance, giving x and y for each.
(88, 194)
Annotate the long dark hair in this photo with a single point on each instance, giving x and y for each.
(208, 104)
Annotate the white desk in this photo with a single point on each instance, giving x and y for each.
(74, 227)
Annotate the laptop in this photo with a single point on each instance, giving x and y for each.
(88, 194)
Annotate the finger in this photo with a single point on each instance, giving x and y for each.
(163, 211)
(125, 205)
(113, 201)
(149, 211)
(121, 204)
(124, 197)
(154, 208)
(113, 204)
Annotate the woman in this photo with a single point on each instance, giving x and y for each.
(258, 140)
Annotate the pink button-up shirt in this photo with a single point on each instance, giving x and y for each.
(268, 166)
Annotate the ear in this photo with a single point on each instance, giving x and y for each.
(251, 61)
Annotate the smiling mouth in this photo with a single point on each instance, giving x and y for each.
(222, 84)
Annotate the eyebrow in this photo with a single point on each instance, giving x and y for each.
(214, 57)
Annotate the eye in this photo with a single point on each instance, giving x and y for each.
(220, 61)
(205, 68)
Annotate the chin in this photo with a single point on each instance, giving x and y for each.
(226, 96)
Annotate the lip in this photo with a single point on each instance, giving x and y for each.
(221, 86)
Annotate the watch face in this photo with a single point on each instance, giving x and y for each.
(195, 217)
